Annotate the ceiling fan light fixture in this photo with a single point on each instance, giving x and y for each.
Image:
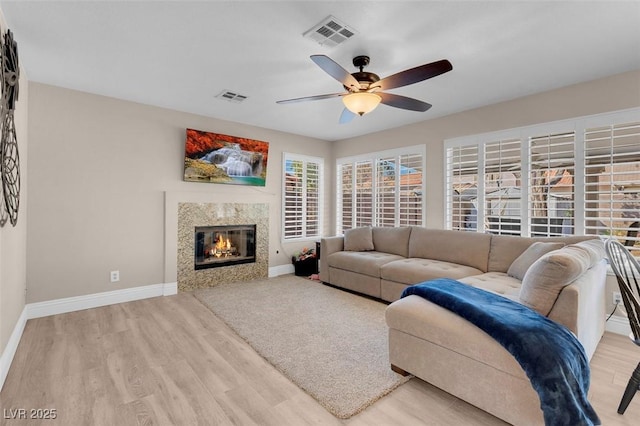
(361, 102)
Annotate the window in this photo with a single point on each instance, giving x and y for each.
(502, 187)
(462, 187)
(551, 184)
(345, 194)
(363, 194)
(386, 193)
(381, 189)
(302, 202)
(409, 182)
(612, 182)
(573, 177)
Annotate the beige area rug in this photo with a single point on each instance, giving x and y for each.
(331, 343)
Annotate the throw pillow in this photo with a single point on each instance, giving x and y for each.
(534, 252)
(595, 248)
(548, 275)
(358, 239)
(393, 240)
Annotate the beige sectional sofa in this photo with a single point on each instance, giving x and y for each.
(562, 278)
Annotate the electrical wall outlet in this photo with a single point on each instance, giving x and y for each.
(617, 297)
(115, 276)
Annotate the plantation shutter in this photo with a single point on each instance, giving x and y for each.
(380, 189)
(612, 182)
(345, 197)
(502, 187)
(364, 194)
(410, 183)
(461, 188)
(386, 182)
(578, 177)
(294, 201)
(312, 185)
(302, 211)
(551, 184)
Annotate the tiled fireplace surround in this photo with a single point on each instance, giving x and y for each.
(187, 216)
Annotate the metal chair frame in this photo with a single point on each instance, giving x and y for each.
(627, 271)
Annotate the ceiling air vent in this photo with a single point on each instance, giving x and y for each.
(230, 96)
(330, 32)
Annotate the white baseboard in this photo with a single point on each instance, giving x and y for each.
(12, 346)
(618, 325)
(78, 303)
(169, 289)
(71, 304)
(276, 271)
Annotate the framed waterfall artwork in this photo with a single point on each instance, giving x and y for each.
(216, 158)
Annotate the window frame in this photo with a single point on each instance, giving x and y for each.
(579, 126)
(373, 158)
(305, 159)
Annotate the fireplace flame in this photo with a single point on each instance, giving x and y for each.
(222, 247)
(222, 244)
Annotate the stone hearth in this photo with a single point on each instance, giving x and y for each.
(191, 215)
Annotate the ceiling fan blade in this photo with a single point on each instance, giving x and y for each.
(332, 68)
(403, 102)
(311, 98)
(346, 116)
(414, 75)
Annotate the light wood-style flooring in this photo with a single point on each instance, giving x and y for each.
(170, 361)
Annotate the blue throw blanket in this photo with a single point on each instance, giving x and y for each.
(552, 357)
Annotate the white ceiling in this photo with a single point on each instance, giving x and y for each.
(181, 54)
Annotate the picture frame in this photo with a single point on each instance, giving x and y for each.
(217, 158)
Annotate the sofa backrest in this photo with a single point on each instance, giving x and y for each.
(506, 248)
(392, 240)
(464, 248)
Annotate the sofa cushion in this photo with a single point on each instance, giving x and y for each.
(362, 262)
(416, 270)
(464, 248)
(496, 282)
(506, 248)
(550, 274)
(392, 240)
(358, 239)
(534, 252)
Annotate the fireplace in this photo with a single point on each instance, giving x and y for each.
(224, 245)
(193, 208)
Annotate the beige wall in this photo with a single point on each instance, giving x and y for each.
(13, 240)
(99, 169)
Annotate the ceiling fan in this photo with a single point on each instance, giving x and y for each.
(365, 90)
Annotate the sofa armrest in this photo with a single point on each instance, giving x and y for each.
(328, 245)
(565, 308)
(581, 307)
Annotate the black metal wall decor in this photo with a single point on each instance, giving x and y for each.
(9, 158)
